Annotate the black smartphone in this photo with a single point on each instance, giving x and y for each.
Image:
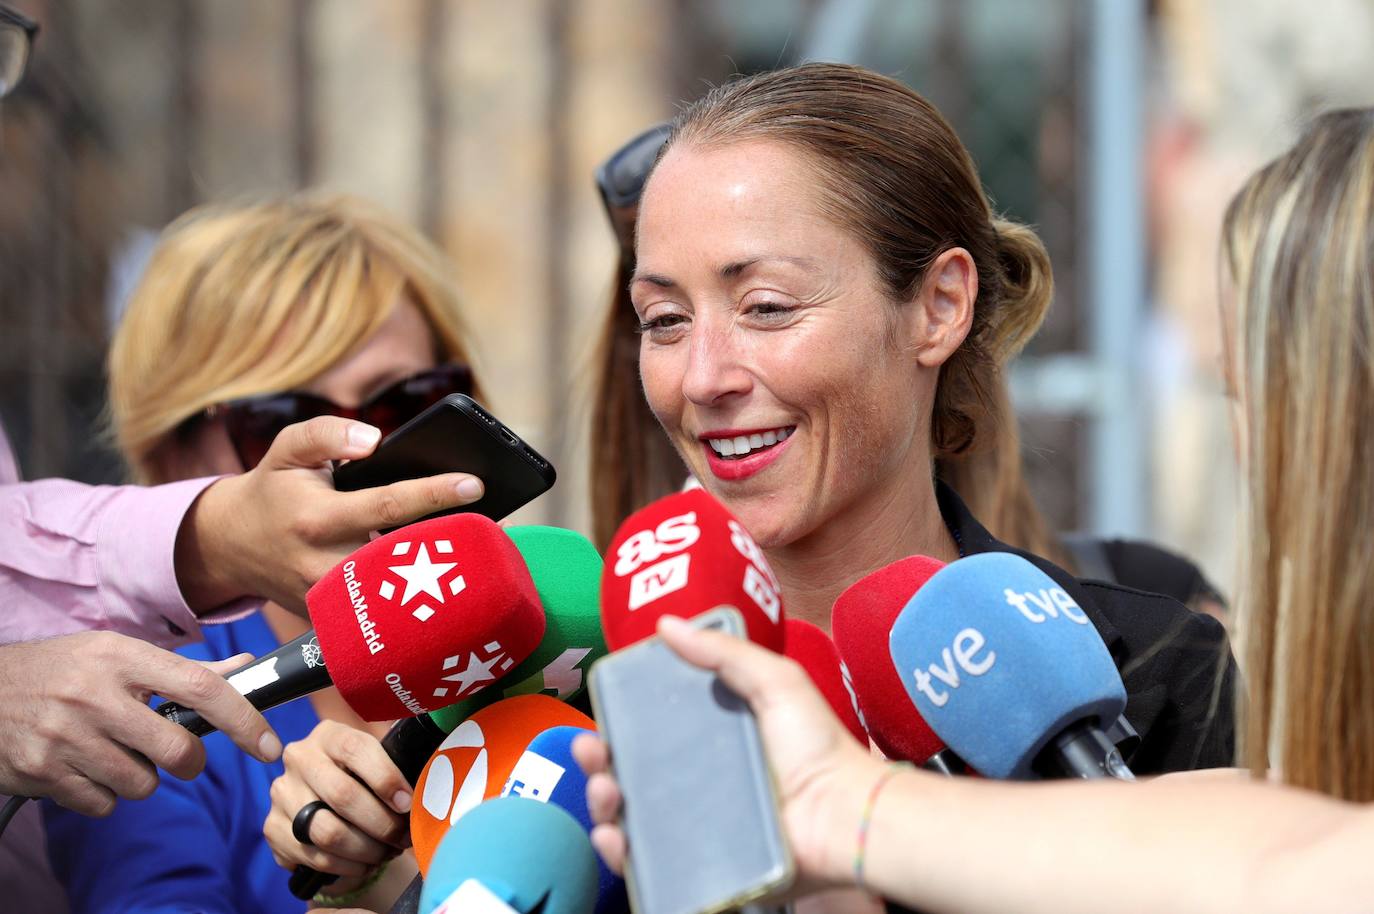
(456, 435)
(701, 809)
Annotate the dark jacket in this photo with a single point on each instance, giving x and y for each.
(1176, 664)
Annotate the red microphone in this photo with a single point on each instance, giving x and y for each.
(424, 616)
(861, 621)
(684, 555)
(812, 648)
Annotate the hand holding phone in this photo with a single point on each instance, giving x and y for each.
(456, 435)
(701, 809)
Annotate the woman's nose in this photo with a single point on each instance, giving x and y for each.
(715, 370)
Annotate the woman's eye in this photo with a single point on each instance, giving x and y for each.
(662, 324)
(773, 312)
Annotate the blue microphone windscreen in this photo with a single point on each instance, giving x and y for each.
(523, 851)
(999, 659)
(547, 772)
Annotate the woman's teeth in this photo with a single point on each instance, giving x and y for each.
(745, 444)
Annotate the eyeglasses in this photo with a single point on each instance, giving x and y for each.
(17, 33)
(621, 177)
(253, 423)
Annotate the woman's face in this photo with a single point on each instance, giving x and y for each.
(402, 346)
(768, 334)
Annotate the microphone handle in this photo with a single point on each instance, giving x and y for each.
(945, 762)
(1082, 751)
(291, 671)
(409, 743)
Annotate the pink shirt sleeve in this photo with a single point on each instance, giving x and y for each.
(75, 557)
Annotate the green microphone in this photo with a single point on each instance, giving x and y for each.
(566, 569)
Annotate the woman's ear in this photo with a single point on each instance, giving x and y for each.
(943, 308)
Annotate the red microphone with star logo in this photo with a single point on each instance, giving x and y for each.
(418, 619)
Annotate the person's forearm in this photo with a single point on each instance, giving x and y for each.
(955, 844)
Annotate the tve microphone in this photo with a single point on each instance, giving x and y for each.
(566, 570)
(684, 555)
(512, 854)
(1010, 671)
(473, 763)
(815, 652)
(413, 621)
(548, 773)
(860, 622)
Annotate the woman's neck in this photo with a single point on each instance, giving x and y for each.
(816, 569)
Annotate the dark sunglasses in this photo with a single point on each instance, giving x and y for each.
(253, 423)
(17, 33)
(621, 177)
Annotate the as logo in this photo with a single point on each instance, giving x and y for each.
(423, 576)
(759, 582)
(659, 580)
(647, 546)
(477, 673)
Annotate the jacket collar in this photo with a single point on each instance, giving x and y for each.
(972, 538)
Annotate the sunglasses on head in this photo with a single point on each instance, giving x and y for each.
(621, 177)
(253, 423)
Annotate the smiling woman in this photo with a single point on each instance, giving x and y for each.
(825, 297)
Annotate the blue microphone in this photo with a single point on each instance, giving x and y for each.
(1009, 671)
(548, 773)
(512, 854)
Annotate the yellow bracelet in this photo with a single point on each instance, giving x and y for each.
(862, 846)
(347, 899)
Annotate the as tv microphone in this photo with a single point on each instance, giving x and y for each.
(512, 855)
(566, 570)
(815, 652)
(474, 762)
(684, 555)
(413, 621)
(547, 772)
(1010, 672)
(860, 622)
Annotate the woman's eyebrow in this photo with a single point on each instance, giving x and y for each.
(732, 270)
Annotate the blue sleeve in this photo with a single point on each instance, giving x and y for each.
(162, 854)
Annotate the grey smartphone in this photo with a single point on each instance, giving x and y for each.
(456, 435)
(701, 811)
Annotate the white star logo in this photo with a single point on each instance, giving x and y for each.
(478, 672)
(422, 577)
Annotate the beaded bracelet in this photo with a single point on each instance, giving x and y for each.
(348, 898)
(862, 845)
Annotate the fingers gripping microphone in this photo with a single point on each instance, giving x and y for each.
(548, 773)
(860, 622)
(413, 621)
(812, 648)
(475, 761)
(567, 576)
(1010, 671)
(684, 555)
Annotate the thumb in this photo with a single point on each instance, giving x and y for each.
(317, 441)
(228, 664)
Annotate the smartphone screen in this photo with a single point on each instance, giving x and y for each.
(456, 435)
(701, 815)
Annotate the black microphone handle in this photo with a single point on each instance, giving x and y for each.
(409, 743)
(409, 902)
(1082, 750)
(291, 671)
(946, 762)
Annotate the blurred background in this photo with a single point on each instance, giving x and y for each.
(1117, 127)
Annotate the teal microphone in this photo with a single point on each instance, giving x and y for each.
(512, 855)
(566, 570)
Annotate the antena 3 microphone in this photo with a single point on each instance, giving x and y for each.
(684, 555)
(415, 620)
(860, 622)
(1009, 671)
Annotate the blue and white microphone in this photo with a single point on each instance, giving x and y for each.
(1009, 671)
(512, 856)
(547, 772)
